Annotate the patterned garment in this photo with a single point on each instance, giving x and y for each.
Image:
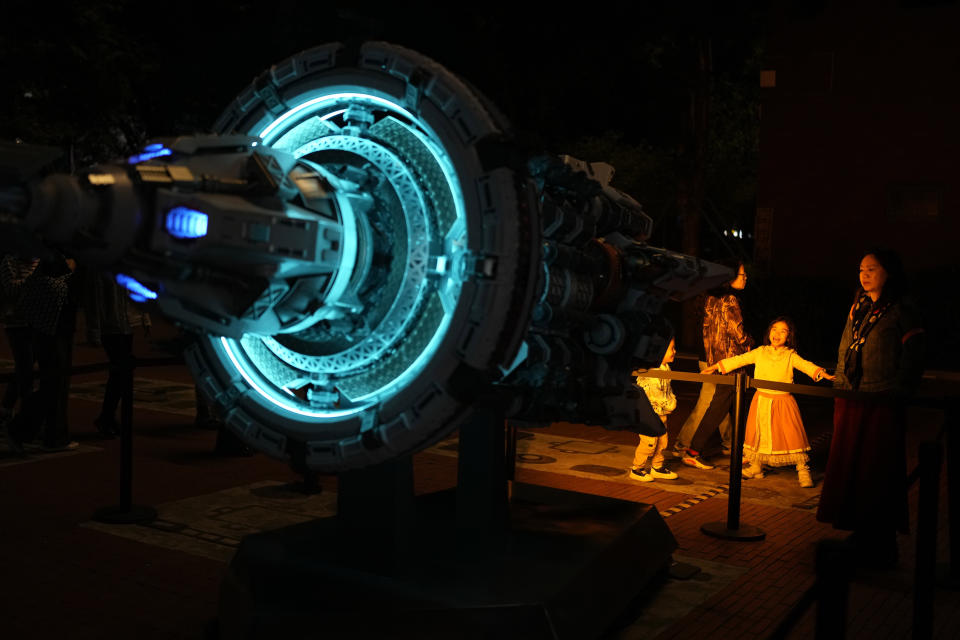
(43, 299)
(37, 297)
(865, 316)
(659, 393)
(891, 350)
(723, 332)
(13, 273)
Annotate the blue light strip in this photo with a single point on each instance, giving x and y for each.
(270, 131)
(251, 375)
(184, 222)
(135, 288)
(149, 155)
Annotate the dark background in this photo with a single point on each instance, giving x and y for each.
(666, 92)
(611, 84)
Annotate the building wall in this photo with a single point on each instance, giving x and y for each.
(860, 136)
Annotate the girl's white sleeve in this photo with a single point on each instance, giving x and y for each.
(812, 370)
(735, 362)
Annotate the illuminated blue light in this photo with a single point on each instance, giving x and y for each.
(149, 155)
(135, 288)
(316, 104)
(184, 222)
(153, 147)
(251, 375)
(255, 367)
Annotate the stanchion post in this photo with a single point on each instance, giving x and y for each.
(126, 440)
(732, 529)
(931, 457)
(126, 512)
(511, 457)
(951, 579)
(482, 509)
(736, 454)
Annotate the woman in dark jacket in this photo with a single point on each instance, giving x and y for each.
(881, 352)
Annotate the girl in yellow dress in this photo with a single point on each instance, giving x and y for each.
(775, 435)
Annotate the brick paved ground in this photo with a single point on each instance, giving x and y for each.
(60, 579)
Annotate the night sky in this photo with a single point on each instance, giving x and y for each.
(611, 84)
(560, 73)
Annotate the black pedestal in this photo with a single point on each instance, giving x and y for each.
(566, 566)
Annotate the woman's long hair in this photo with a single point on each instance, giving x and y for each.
(896, 284)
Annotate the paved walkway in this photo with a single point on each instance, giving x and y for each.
(64, 576)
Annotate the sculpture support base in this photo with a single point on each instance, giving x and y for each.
(567, 566)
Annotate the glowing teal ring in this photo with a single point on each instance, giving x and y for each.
(268, 135)
(252, 375)
(317, 103)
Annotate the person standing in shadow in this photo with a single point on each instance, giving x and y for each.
(14, 271)
(43, 305)
(113, 318)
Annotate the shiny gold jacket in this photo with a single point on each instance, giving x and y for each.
(723, 332)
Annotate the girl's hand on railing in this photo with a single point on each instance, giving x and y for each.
(826, 376)
(711, 369)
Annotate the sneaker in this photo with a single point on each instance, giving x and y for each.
(803, 475)
(641, 475)
(68, 446)
(753, 471)
(664, 473)
(696, 461)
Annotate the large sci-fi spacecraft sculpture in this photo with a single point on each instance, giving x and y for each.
(363, 252)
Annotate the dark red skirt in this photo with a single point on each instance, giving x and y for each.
(865, 485)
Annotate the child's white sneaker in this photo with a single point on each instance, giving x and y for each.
(803, 475)
(664, 473)
(641, 474)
